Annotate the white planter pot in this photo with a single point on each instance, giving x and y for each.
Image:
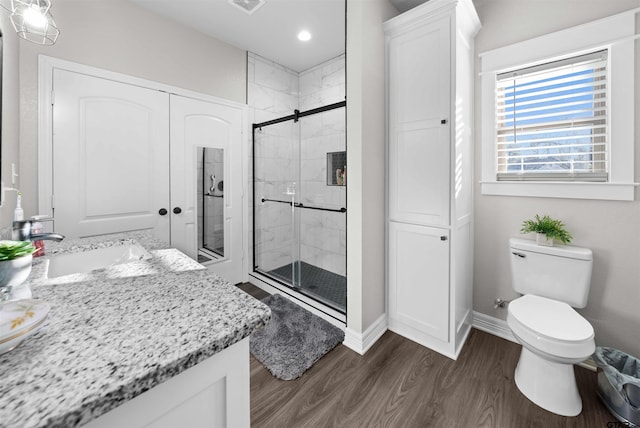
(15, 272)
(541, 239)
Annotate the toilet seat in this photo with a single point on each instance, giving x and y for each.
(550, 326)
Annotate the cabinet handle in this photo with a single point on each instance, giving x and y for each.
(521, 255)
(177, 210)
(443, 121)
(163, 211)
(443, 238)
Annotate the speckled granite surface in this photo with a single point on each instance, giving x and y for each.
(115, 333)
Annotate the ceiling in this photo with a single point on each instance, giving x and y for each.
(270, 31)
(405, 5)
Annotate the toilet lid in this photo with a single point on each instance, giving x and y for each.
(547, 317)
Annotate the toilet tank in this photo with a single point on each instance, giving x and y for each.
(561, 273)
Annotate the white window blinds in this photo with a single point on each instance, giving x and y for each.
(552, 121)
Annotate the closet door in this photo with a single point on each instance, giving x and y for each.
(110, 157)
(419, 108)
(196, 124)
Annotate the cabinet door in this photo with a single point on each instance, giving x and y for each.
(419, 278)
(110, 156)
(419, 108)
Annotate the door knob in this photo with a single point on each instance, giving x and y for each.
(163, 211)
(177, 210)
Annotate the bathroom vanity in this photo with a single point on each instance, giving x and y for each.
(158, 341)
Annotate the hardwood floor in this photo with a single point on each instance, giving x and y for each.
(399, 383)
(252, 290)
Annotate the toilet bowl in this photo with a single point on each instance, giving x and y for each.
(553, 337)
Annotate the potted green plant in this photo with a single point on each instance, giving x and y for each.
(547, 230)
(15, 263)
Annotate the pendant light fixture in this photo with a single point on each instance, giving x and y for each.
(32, 21)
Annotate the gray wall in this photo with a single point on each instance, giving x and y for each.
(119, 36)
(610, 229)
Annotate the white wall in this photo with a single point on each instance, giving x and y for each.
(610, 229)
(119, 36)
(10, 112)
(366, 157)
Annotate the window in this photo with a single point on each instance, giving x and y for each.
(552, 120)
(557, 116)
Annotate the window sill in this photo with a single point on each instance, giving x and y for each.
(555, 189)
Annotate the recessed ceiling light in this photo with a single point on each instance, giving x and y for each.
(304, 36)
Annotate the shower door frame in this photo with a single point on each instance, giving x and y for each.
(290, 289)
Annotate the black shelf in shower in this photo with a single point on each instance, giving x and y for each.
(299, 205)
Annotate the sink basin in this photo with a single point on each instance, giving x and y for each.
(86, 261)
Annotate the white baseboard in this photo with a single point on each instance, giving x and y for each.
(499, 328)
(361, 342)
(493, 325)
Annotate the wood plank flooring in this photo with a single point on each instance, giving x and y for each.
(399, 383)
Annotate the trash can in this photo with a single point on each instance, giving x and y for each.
(619, 383)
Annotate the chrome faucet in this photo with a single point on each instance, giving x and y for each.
(23, 231)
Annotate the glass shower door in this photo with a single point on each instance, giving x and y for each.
(300, 181)
(276, 177)
(321, 212)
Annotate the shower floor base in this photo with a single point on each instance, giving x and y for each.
(327, 287)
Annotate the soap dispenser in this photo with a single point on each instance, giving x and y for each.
(18, 213)
(37, 228)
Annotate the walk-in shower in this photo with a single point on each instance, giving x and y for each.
(299, 207)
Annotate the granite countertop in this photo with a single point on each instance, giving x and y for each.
(114, 333)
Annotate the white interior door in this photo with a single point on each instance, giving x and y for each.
(196, 124)
(110, 156)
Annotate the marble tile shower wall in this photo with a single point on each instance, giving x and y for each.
(275, 172)
(274, 91)
(322, 85)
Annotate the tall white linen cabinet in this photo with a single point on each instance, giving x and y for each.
(429, 59)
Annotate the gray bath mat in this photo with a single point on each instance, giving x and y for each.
(293, 340)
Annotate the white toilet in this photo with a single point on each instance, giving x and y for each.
(553, 281)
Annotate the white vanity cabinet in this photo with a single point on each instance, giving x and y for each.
(429, 172)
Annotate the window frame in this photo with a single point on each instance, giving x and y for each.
(616, 34)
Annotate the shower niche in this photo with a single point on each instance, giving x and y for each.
(337, 168)
(210, 203)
